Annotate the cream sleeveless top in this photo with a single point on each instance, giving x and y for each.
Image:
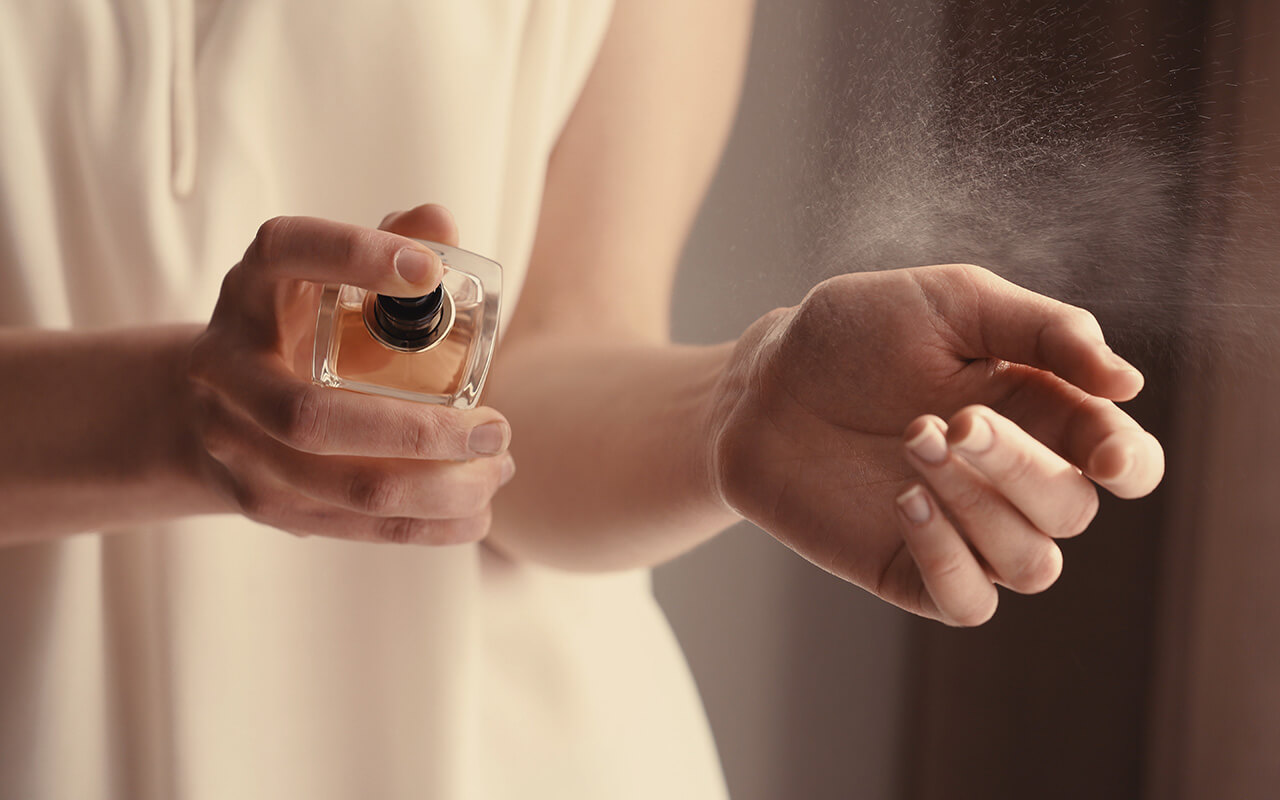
(142, 142)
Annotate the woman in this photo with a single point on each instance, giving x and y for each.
(194, 652)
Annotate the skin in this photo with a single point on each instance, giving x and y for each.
(1026, 385)
(824, 424)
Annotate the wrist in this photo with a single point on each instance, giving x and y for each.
(716, 395)
(174, 457)
(731, 456)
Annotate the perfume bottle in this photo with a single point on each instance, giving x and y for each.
(432, 349)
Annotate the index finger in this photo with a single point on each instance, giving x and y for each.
(325, 251)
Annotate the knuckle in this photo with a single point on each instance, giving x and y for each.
(775, 316)
(966, 274)
(253, 501)
(213, 424)
(266, 241)
(304, 419)
(824, 288)
(417, 438)
(977, 611)
(1017, 466)
(1085, 512)
(944, 566)
(1089, 407)
(738, 453)
(401, 530)
(472, 496)
(1038, 570)
(968, 270)
(816, 310)
(822, 297)
(201, 362)
(1094, 406)
(432, 435)
(967, 498)
(216, 435)
(234, 279)
(229, 309)
(376, 493)
(358, 243)
(1083, 318)
(469, 529)
(440, 532)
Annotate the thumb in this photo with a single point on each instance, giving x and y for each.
(1018, 325)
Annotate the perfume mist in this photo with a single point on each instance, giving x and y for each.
(432, 349)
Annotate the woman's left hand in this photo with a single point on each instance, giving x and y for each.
(929, 433)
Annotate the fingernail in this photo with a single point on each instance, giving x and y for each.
(914, 505)
(489, 439)
(508, 471)
(978, 439)
(414, 265)
(929, 444)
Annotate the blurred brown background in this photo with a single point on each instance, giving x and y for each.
(1152, 669)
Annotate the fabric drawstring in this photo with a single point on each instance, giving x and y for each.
(183, 101)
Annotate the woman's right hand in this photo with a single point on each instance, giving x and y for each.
(314, 460)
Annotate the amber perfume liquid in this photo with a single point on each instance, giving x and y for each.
(360, 345)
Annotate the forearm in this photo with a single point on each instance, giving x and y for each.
(610, 424)
(93, 435)
(613, 446)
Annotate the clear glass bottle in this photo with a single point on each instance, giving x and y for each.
(431, 349)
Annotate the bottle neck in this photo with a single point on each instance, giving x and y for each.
(409, 324)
